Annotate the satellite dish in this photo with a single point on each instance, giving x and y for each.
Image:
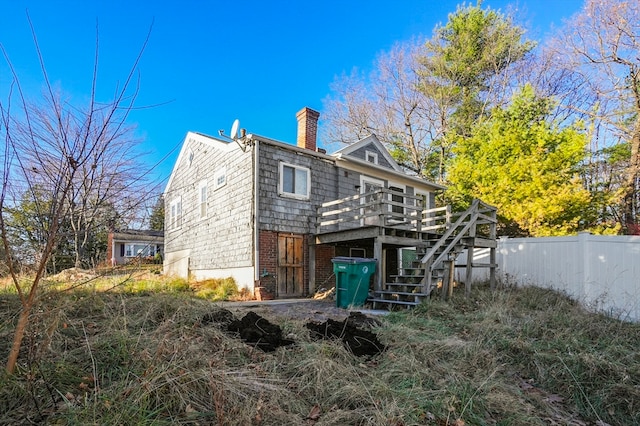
(234, 129)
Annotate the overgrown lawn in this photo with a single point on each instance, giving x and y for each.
(522, 356)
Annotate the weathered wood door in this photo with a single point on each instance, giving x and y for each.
(290, 265)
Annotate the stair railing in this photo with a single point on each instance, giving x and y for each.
(429, 259)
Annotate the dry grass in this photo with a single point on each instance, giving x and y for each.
(516, 357)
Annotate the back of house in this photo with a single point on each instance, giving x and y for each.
(248, 208)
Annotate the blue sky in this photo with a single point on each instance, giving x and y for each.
(210, 62)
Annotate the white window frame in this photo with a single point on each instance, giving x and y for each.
(146, 250)
(202, 201)
(175, 213)
(281, 190)
(425, 195)
(220, 178)
(373, 155)
(364, 180)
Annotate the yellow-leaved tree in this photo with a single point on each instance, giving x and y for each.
(528, 167)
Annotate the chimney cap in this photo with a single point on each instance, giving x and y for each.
(306, 110)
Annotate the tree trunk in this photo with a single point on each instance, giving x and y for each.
(629, 212)
(23, 320)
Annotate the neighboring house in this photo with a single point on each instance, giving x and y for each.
(260, 211)
(127, 245)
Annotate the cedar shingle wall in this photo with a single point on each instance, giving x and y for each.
(224, 238)
(283, 214)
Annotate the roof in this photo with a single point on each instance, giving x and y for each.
(341, 155)
(369, 140)
(138, 235)
(225, 144)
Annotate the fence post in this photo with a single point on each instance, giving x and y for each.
(501, 259)
(583, 249)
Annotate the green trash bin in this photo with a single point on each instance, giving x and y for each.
(352, 279)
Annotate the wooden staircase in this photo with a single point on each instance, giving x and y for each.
(436, 256)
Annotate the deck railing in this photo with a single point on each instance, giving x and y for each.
(382, 207)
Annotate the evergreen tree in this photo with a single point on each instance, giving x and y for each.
(466, 70)
(156, 221)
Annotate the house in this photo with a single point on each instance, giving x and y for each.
(127, 245)
(273, 215)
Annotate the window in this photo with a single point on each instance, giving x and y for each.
(220, 178)
(142, 250)
(371, 157)
(294, 181)
(175, 218)
(202, 194)
(357, 252)
(424, 200)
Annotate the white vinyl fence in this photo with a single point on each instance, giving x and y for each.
(602, 272)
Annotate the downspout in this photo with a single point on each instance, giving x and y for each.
(256, 201)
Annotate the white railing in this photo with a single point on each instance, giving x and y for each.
(382, 207)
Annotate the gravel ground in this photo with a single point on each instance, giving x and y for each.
(300, 309)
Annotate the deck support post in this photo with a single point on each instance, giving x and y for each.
(378, 255)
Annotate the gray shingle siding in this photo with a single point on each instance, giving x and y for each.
(361, 154)
(284, 214)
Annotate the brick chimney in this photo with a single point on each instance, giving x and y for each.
(307, 128)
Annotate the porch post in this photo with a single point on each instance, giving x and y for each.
(378, 255)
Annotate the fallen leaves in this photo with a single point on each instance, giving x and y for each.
(314, 414)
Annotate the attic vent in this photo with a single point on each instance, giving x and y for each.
(191, 155)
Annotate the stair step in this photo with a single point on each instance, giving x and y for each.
(407, 276)
(404, 284)
(393, 302)
(403, 293)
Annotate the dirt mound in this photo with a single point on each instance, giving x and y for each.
(259, 332)
(361, 342)
(73, 274)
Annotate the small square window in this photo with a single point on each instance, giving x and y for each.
(357, 252)
(220, 178)
(371, 157)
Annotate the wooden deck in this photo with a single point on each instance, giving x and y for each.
(380, 219)
(378, 210)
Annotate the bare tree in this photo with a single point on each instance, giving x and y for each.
(422, 95)
(77, 154)
(389, 104)
(600, 47)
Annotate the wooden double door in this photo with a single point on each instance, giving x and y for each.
(290, 276)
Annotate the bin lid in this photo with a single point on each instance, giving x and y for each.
(352, 260)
